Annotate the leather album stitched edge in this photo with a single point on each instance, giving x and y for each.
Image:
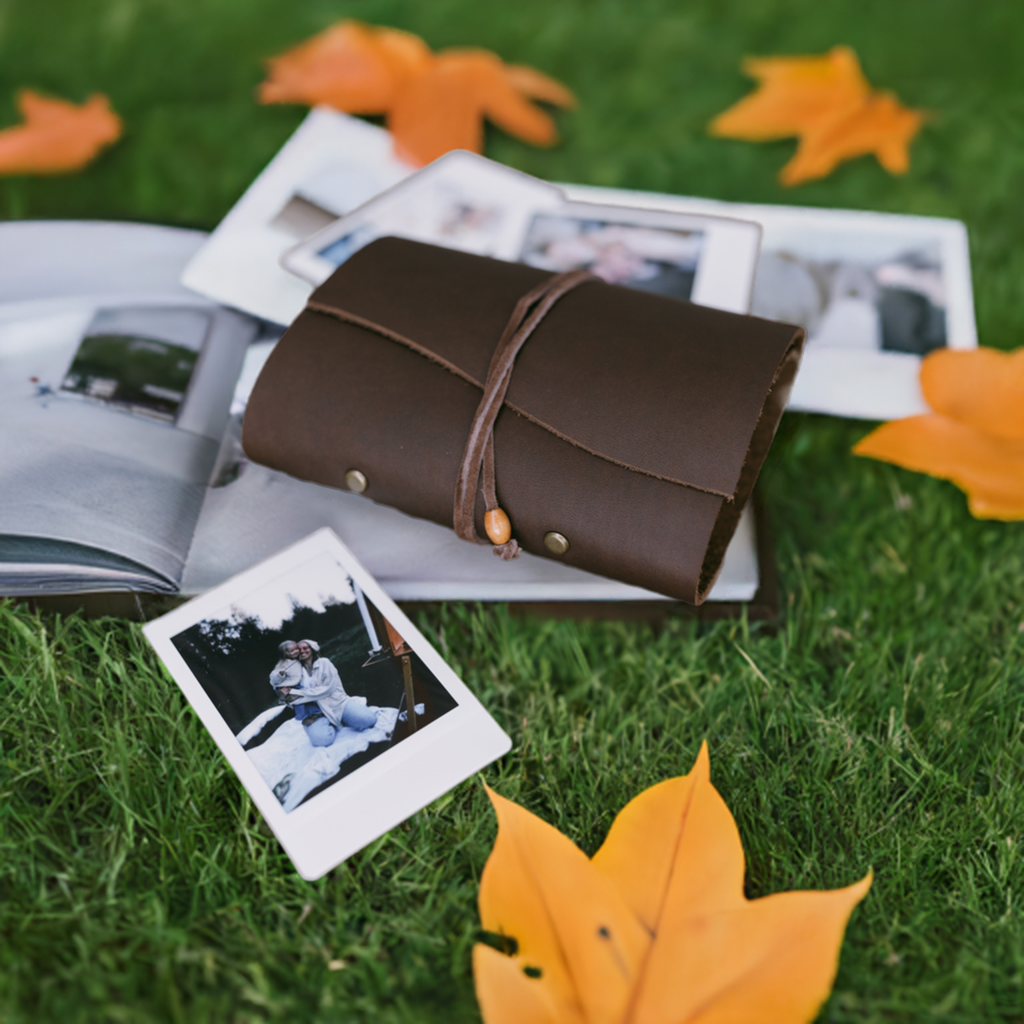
(401, 339)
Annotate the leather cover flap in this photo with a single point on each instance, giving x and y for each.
(664, 387)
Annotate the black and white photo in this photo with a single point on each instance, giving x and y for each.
(892, 301)
(312, 679)
(876, 294)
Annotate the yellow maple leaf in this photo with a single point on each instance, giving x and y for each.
(655, 929)
(57, 137)
(829, 105)
(433, 102)
(975, 435)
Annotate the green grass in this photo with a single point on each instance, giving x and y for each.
(882, 727)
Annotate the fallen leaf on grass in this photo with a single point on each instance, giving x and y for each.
(829, 105)
(535, 85)
(445, 106)
(981, 387)
(975, 435)
(882, 126)
(350, 66)
(433, 102)
(795, 93)
(655, 929)
(57, 137)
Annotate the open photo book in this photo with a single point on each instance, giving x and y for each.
(115, 387)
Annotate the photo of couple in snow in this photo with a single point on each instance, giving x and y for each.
(312, 679)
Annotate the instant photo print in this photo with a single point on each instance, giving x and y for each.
(334, 711)
(461, 201)
(331, 164)
(467, 202)
(876, 292)
(709, 261)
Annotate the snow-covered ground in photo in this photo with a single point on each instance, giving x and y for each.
(254, 728)
(293, 767)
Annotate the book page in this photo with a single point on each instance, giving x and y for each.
(115, 404)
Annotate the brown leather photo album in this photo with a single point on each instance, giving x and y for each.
(614, 430)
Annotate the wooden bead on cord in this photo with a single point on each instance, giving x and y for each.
(498, 528)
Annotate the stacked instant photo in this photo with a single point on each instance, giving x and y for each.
(875, 291)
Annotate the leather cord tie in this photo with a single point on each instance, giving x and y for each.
(477, 468)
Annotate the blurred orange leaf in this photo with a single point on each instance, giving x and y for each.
(535, 85)
(57, 137)
(882, 126)
(795, 93)
(975, 436)
(981, 387)
(444, 108)
(350, 66)
(655, 928)
(828, 104)
(433, 102)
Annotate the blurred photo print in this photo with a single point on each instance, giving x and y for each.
(331, 192)
(875, 292)
(460, 201)
(891, 301)
(337, 715)
(443, 214)
(648, 258)
(140, 361)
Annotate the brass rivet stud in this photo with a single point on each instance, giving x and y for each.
(356, 481)
(556, 543)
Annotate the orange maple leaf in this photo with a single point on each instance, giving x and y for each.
(827, 102)
(57, 137)
(433, 102)
(350, 66)
(444, 108)
(795, 93)
(975, 435)
(655, 928)
(882, 126)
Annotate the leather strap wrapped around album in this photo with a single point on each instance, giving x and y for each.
(629, 430)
